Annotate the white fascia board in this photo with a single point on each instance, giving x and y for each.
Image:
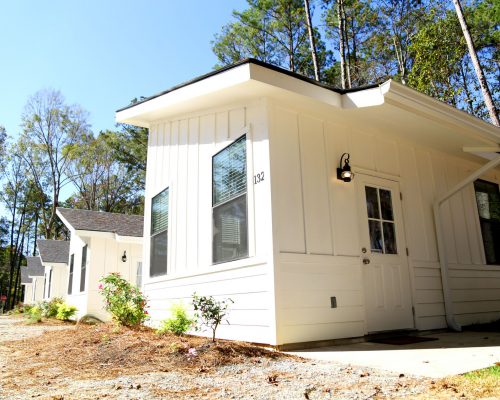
(110, 235)
(363, 98)
(404, 97)
(129, 239)
(64, 221)
(292, 84)
(85, 233)
(204, 87)
(59, 264)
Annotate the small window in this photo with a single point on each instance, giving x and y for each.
(159, 234)
(71, 265)
(488, 207)
(229, 202)
(50, 283)
(138, 279)
(83, 268)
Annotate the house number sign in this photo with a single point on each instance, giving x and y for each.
(258, 178)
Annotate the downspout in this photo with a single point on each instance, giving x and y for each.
(448, 305)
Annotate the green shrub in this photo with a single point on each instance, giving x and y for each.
(65, 311)
(20, 309)
(35, 314)
(49, 308)
(178, 323)
(123, 301)
(210, 312)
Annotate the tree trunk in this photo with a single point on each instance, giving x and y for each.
(340, 5)
(488, 100)
(347, 60)
(312, 40)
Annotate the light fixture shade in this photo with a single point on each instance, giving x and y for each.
(124, 257)
(344, 172)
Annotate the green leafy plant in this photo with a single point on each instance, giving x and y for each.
(123, 301)
(49, 308)
(179, 322)
(35, 314)
(210, 312)
(65, 311)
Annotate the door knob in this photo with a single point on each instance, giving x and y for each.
(366, 261)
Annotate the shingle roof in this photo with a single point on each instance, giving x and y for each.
(99, 221)
(35, 267)
(25, 275)
(56, 251)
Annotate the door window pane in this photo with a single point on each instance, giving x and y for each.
(390, 238)
(488, 206)
(386, 204)
(372, 202)
(382, 230)
(376, 244)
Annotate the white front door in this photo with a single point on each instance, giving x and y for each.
(383, 255)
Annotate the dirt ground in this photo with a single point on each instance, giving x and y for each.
(63, 361)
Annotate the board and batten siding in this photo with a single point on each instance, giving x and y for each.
(316, 218)
(180, 155)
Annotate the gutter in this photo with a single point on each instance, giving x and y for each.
(443, 262)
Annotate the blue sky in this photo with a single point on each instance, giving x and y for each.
(103, 53)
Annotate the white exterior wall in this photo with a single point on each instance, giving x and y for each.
(316, 241)
(77, 298)
(58, 281)
(37, 293)
(180, 155)
(28, 293)
(104, 255)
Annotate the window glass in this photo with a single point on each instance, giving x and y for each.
(488, 206)
(386, 204)
(83, 268)
(50, 282)
(138, 278)
(71, 265)
(159, 234)
(230, 226)
(372, 202)
(230, 172)
(381, 226)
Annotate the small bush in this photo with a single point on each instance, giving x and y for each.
(210, 312)
(20, 309)
(123, 301)
(65, 311)
(179, 323)
(49, 308)
(35, 314)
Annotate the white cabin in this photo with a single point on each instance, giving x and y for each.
(32, 278)
(101, 243)
(54, 257)
(243, 202)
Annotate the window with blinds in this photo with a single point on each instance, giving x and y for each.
(71, 266)
(488, 207)
(229, 203)
(83, 269)
(159, 234)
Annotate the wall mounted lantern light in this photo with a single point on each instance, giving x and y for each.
(344, 172)
(124, 257)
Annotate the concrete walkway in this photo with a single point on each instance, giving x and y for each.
(452, 354)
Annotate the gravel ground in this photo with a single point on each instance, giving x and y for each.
(254, 379)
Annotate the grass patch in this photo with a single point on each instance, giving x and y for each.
(485, 373)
